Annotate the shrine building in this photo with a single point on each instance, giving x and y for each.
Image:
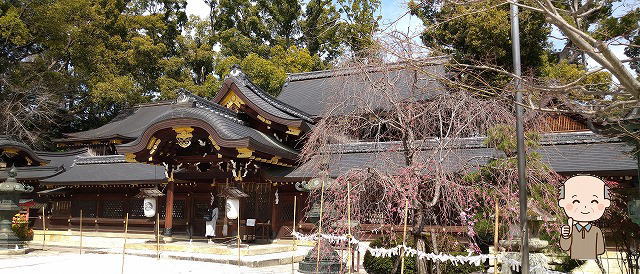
(243, 142)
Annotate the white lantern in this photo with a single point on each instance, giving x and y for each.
(149, 207)
(233, 208)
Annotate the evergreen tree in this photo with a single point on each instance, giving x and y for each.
(361, 24)
(321, 28)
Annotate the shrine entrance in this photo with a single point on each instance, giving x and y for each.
(218, 152)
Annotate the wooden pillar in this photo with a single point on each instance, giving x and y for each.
(168, 218)
(189, 213)
(275, 217)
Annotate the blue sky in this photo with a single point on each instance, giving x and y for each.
(390, 10)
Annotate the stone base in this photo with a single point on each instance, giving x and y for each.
(538, 263)
(535, 244)
(20, 251)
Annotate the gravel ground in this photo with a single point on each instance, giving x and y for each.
(54, 262)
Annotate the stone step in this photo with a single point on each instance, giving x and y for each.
(263, 260)
(97, 240)
(214, 248)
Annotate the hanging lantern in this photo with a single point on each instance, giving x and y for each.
(149, 206)
(150, 200)
(233, 208)
(233, 196)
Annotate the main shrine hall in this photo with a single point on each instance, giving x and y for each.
(243, 144)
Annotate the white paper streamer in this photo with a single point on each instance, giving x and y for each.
(409, 251)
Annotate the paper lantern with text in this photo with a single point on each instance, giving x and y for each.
(149, 206)
(233, 195)
(233, 208)
(150, 200)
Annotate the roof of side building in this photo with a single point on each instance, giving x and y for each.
(313, 91)
(573, 152)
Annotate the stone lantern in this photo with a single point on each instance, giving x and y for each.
(10, 191)
(330, 261)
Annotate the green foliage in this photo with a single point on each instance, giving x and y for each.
(564, 73)
(361, 24)
(625, 27)
(243, 27)
(90, 59)
(321, 27)
(384, 265)
(480, 33)
(270, 73)
(503, 138)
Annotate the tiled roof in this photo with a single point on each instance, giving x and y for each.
(584, 137)
(226, 123)
(64, 159)
(94, 170)
(313, 92)
(267, 102)
(56, 162)
(32, 172)
(106, 159)
(8, 141)
(564, 152)
(228, 129)
(128, 124)
(107, 169)
(203, 103)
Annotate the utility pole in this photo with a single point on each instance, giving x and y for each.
(515, 46)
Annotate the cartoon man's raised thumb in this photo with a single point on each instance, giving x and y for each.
(566, 229)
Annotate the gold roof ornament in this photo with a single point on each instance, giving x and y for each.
(232, 101)
(183, 136)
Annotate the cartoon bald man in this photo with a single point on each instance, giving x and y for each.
(584, 199)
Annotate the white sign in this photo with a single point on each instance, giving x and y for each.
(251, 222)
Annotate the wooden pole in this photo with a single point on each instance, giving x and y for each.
(124, 246)
(158, 235)
(238, 241)
(320, 225)
(293, 255)
(495, 240)
(44, 228)
(404, 234)
(349, 262)
(168, 217)
(80, 231)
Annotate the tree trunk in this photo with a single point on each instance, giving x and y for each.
(422, 265)
(421, 245)
(434, 243)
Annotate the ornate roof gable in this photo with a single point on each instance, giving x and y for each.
(238, 93)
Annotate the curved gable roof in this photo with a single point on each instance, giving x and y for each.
(56, 162)
(7, 142)
(127, 125)
(226, 128)
(261, 102)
